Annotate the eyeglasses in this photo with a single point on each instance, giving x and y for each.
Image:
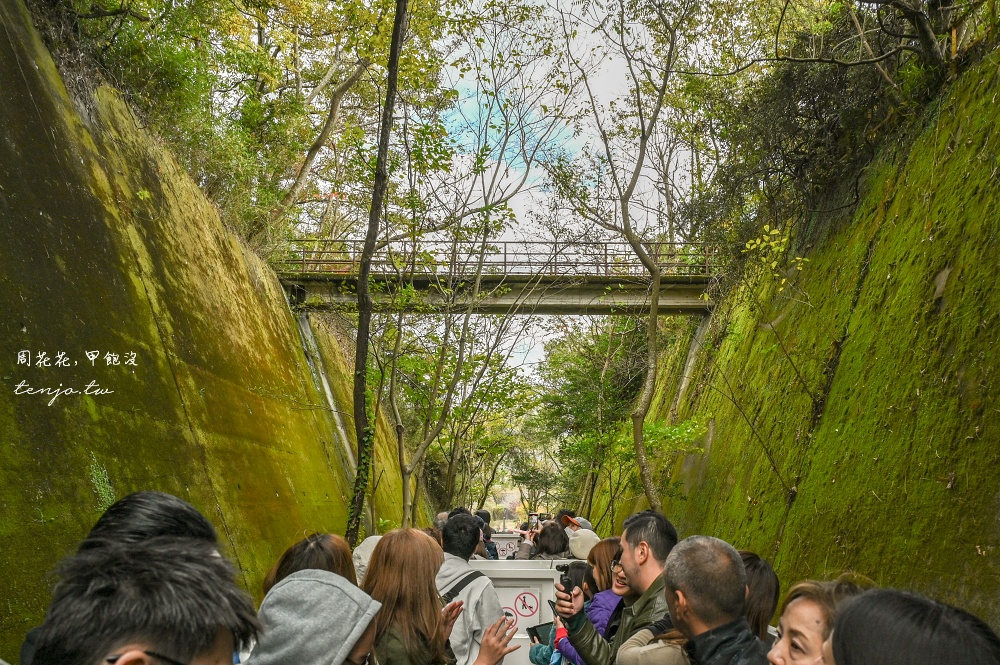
(158, 656)
(616, 566)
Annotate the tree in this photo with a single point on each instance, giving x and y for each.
(366, 433)
(648, 39)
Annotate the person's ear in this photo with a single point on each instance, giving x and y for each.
(682, 604)
(746, 596)
(642, 553)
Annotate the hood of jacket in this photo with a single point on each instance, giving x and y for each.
(452, 570)
(314, 617)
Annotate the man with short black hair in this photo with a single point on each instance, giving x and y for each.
(162, 601)
(458, 581)
(646, 541)
(706, 590)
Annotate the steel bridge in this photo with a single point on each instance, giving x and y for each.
(542, 277)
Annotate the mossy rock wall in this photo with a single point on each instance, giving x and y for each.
(106, 245)
(884, 457)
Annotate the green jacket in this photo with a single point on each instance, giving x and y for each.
(390, 650)
(594, 649)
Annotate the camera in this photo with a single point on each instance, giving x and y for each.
(564, 578)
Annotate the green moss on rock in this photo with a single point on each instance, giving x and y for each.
(105, 244)
(892, 325)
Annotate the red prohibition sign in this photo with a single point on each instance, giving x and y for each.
(526, 604)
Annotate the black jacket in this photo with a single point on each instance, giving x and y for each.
(729, 644)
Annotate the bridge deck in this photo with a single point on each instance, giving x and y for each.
(515, 278)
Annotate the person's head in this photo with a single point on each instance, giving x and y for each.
(461, 535)
(320, 551)
(891, 627)
(576, 523)
(156, 601)
(552, 540)
(314, 616)
(433, 533)
(808, 613)
(143, 515)
(577, 571)
(484, 515)
(558, 519)
(762, 595)
(362, 554)
(706, 584)
(440, 520)
(401, 576)
(458, 510)
(646, 541)
(600, 558)
(581, 542)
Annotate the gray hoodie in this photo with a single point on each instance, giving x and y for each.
(482, 608)
(312, 617)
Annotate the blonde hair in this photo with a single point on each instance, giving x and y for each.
(401, 576)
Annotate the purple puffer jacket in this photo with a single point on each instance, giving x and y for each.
(599, 612)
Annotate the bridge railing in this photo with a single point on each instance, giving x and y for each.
(440, 258)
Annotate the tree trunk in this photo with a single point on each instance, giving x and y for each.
(336, 98)
(365, 433)
(646, 397)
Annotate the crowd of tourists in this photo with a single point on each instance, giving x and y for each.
(149, 586)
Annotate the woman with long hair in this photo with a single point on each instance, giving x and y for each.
(318, 551)
(412, 628)
(763, 597)
(609, 590)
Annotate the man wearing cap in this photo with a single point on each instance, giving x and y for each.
(574, 524)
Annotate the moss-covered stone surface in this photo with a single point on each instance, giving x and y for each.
(884, 457)
(107, 246)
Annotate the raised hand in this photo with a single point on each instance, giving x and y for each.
(449, 615)
(568, 605)
(496, 640)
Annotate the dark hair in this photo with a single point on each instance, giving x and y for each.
(484, 515)
(890, 627)
(143, 515)
(460, 535)
(174, 594)
(562, 513)
(319, 551)
(552, 539)
(652, 528)
(434, 533)
(764, 593)
(459, 510)
(710, 574)
(578, 571)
